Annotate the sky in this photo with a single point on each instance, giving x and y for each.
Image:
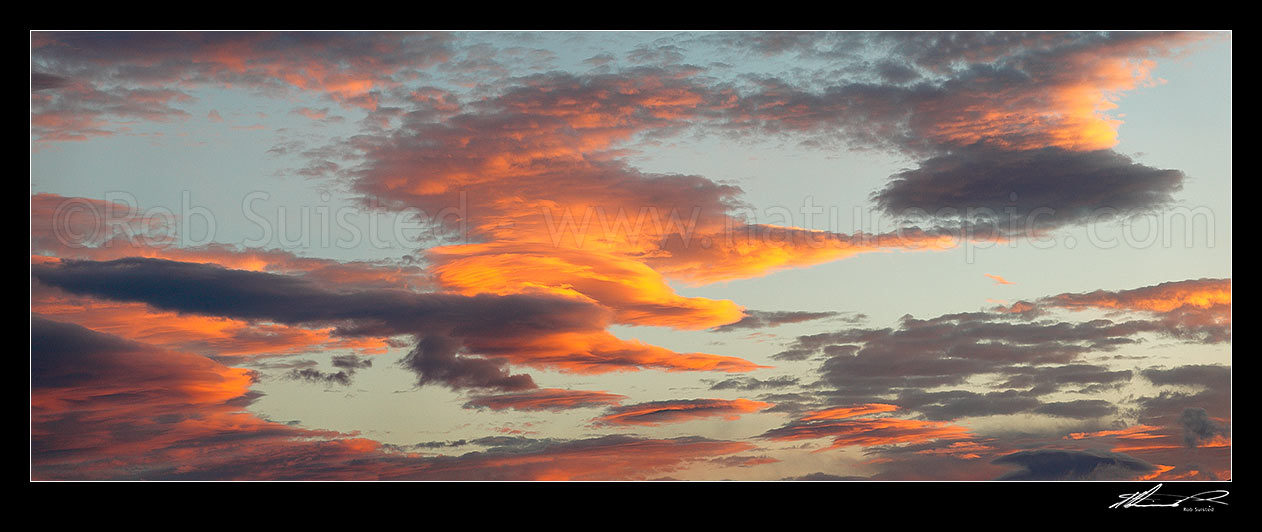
(909, 256)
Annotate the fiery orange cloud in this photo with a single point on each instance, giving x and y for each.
(593, 352)
(107, 408)
(964, 450)
(1199, 308)
(1136, 431)
(1191, 473)
(745, 251)
(546, 399)
(1164, 297)
(99, 384)
(866, 432)
(677, 411)
(606, 458)
(847, 431)
(205, 335)
(1064, 98)
(569, 336)
(1150, 439)
(92, 229)
(1161, 470)
(637, 294)
(558, 212)
(1066, 107)
(344, 68)
(1161, 442)
(998, 279)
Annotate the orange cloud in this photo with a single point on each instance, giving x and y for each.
(637, 294)
(593, 352)
(206, 335)
(847, 431)
(999, 280)
(1136, 431)
(963, 450)
(1199, 309)
(1161, 470)
(546, 399)
(542, 331)
(1150, 439)
(556, 211)
(876, 431)
(107, 408)
(605, 458)
(1065, 104)
(91, 229)
(102, 407)
(677, 411)
(744, 251)
(1164, 297)
(345, 67)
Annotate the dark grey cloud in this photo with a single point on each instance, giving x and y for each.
(796, 403)
(514, 444)
(126, 76)
(283, 364)
(314, 375)
(955, 404)
(752, 383)
(154, 56)
(1001, 150)
(1198, 386)
(80, 377)
(1056, 464)
(436, 359)
(440, 444)
(896, 72)
(65, 355)
(809, 345)
(947, 350)
(441, 322)
(347, 364)
(941, 52)
(1210, 376)
(1029, 360)
(1008, 192)
(1198, 427)
(41, 81)
(761, 319)
(351, 362)
(1048, 379)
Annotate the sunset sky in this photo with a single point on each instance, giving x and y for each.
(630, 256)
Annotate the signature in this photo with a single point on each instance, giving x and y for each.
(1150, 498)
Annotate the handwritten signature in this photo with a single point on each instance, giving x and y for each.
(1150, 498)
